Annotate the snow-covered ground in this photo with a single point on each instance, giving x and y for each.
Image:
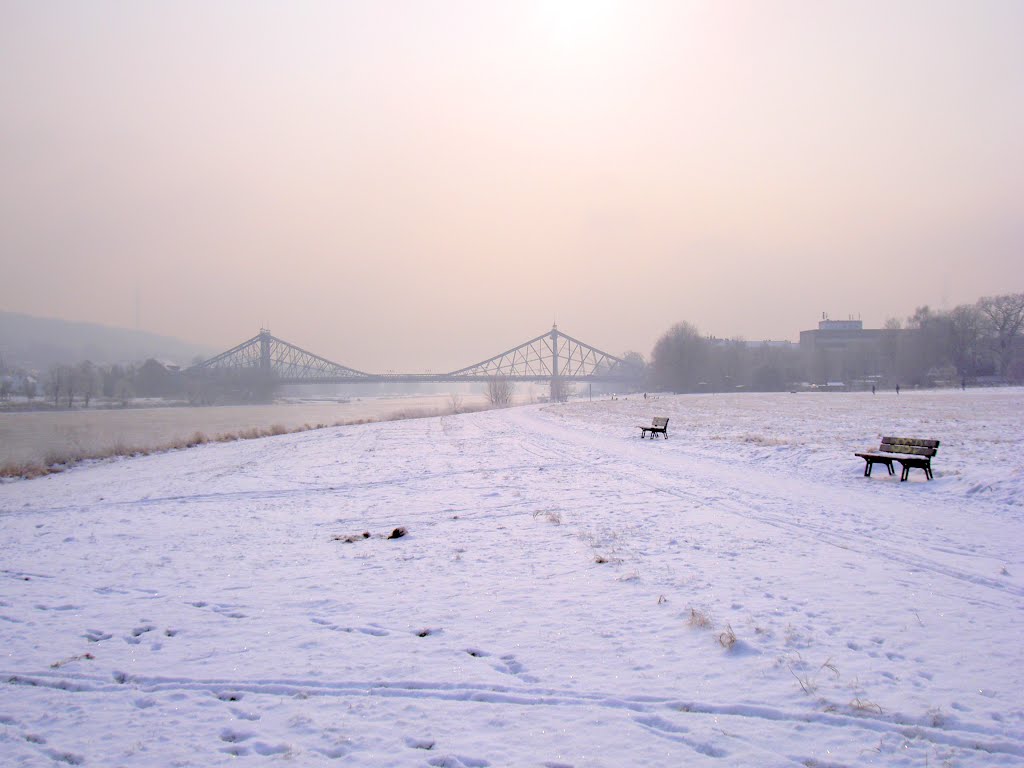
(566, 595)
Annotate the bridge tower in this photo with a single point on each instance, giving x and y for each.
(556, 384)
(265, 362)
(264, 383)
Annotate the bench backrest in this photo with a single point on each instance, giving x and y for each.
(659, 421)
(909, 445)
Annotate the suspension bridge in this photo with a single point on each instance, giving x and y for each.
(553, 357)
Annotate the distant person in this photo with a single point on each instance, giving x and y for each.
(872, 389)
(897, 389)
(645, 395)
(963, 384)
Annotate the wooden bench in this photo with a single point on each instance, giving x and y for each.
(658, 424)
(908, 451)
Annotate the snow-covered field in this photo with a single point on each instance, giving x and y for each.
(566, 594)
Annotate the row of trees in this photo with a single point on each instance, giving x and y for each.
(65, 385)
(981, 339)
(969, 342)
(684, 360)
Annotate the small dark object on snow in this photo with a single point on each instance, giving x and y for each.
(351, 539)
(398, 533)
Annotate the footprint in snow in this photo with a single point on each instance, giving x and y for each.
(452, 761)
(64, 757)
(225, 609)
(136, 636)
(372, 629)
(234, 736)
(262, 748)
(414, 743)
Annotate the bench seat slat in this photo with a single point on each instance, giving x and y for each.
(906, 449)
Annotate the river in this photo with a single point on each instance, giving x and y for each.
(33, 436)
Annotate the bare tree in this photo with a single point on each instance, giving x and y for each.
(70, 374)
(89, 381)
(124, 390)
(965, 338)
(679, 358)
(1004, 317)
(455, 402)
(500, 390)
(55, 383)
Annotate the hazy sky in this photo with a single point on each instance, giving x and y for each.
(413, 185)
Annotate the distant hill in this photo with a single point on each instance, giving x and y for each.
(37, 343)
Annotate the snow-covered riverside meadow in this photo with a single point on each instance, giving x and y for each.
(566, 594)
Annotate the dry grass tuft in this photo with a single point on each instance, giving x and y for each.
(727, 639)
(198, 438)
(700, 620)
(25, 470)
(831, 667)
(79, 657)
(863, 705)
(553, 516)
(807, 684)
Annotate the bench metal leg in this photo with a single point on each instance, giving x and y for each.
(870, 463)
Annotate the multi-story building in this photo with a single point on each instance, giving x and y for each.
(842, 350)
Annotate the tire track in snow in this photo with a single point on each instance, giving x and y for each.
(645, 709)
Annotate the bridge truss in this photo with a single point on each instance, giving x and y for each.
(553, 356)
(284, 362)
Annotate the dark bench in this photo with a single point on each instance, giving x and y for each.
(908, 451)
(658, 424)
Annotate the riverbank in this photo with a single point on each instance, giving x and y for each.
(39, 442)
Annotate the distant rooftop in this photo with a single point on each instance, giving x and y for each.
(840, 325)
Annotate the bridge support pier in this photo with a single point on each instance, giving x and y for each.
(556, 384)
